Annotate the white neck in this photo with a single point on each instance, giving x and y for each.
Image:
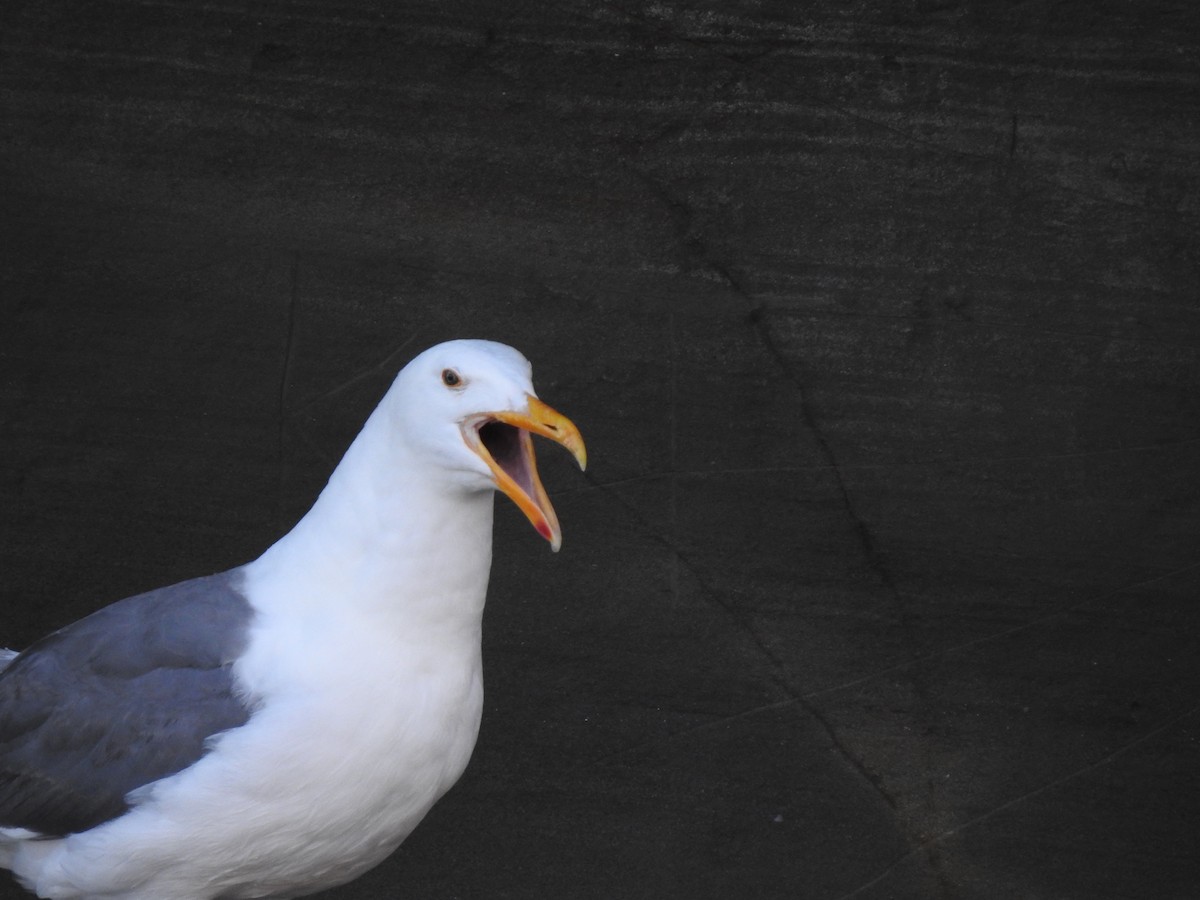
(386, 541)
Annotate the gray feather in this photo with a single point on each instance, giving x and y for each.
(119, 699)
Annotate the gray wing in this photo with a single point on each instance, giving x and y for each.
(117, 700)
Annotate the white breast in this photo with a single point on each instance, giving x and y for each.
(326, 780)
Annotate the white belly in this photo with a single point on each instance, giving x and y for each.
(322, 783)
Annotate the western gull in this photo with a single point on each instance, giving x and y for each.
(280, 728)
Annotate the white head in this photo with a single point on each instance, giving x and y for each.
(467, 408)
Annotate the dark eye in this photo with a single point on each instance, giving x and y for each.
(450, 378)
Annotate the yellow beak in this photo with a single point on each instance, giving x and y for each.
(503, 441)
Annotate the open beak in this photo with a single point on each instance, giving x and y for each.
(504, 441)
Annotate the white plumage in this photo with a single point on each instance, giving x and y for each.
(357, 662)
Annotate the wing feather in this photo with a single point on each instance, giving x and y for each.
(119, 699)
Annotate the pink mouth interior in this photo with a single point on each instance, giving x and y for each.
(504, 443)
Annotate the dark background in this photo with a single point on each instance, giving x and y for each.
(882, 322)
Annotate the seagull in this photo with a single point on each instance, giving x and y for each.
(280, 728)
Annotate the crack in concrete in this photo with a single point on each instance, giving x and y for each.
(931, 657)
(878, 566)
(778, 672)
(387, 363)
(683, 218)
(808, 415)
(928, 845)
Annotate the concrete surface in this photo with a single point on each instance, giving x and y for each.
(882, 322)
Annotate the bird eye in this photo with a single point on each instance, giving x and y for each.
(450, 378)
